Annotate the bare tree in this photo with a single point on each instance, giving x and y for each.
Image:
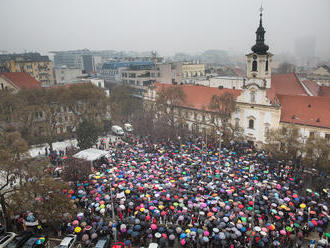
(222, 107)
(45, 198)
(76, 169)
(168, 104)
(317, 153)
(284, 143)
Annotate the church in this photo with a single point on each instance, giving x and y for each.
(263, 101)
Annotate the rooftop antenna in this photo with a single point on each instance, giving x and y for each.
(261, 8)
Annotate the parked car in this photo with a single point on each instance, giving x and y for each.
(103, 242)
(6, 238)
(36, 241)
(128, 127)
(117, 130)
(19, 240)
(68, 242)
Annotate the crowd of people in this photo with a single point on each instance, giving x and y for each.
(188, 195)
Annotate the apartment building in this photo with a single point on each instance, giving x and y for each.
(38, 66)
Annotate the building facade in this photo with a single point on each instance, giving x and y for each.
(38, 66)
(64, 75)
(263, 101)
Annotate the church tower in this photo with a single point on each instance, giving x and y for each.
(259, 61)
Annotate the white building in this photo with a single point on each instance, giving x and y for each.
(65, 75)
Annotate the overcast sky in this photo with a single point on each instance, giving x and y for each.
(167, 26)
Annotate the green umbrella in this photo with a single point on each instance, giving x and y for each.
(317, 194)
(296, 225)
(274, 211)
(289, 228)
(175, 204)
(327, 235)
(243, 219)
(250, 208)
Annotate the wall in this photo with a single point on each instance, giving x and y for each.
(4, 85)
(67, 75)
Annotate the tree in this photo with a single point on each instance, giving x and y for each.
(87, 134)
(123, 104)
(16, 170)
(12, 146)
(168, 106)
(317, 152)
(47, 115)
(76, 169)
(44, 198)
(222, 106)
(284, 143)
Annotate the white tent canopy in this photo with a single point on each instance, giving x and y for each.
(90, 154)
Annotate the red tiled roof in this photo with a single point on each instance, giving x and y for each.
(312, 86)
(199, 97)
(285, 84)
(305, 110)
(325, 91)
(21, 80)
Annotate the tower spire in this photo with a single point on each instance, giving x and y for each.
(260, 47)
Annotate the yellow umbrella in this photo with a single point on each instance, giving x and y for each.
(77, 229)
(302, 205)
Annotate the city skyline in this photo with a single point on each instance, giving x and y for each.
(168, 27)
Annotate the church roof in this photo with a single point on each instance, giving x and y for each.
(325, 91)
(21, 80)
(285, 84)
(305, 110)
(199, 97)
(312, 86)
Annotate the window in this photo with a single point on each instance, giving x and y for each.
(311, 134)
(266, 65)
(266, 129)
(251, 124)
(252, 96)
(195, 115)
(2, 87)
(254, 65)
(237, 123)
(327, 136)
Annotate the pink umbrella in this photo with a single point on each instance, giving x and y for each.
(206, 233)
(153, 226)
(75, 222)
(283, 232)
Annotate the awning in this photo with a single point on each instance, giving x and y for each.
(90, 154)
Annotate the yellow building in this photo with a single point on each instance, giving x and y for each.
(193, 70)
(38, 66)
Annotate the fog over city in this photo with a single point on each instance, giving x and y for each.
(166, 26)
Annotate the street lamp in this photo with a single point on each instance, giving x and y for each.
(220, 134)
(179, 138)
